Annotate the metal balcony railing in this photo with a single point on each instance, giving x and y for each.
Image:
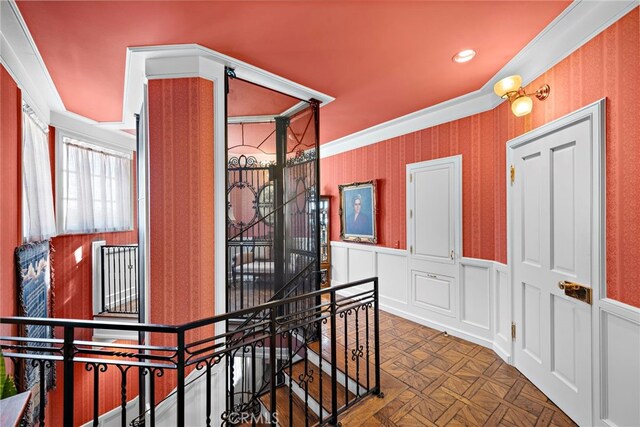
(318, 348)
(119, 276)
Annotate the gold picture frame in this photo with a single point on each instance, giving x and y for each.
(358, 212)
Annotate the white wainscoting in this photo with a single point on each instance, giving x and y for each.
(474, 303)
(475, 294)
(476, 306)
(617, 365)
(502, 311)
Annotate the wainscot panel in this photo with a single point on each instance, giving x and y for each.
(502, 311)
(476, 293)
(619, 364)
(465, 303)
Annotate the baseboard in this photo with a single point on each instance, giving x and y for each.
(504, 355)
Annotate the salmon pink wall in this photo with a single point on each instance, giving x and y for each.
(603, 67)
(181, 165)
(71, 264)
(10, 193)
(482, 174)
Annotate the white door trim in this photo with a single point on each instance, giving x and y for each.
(595, 114)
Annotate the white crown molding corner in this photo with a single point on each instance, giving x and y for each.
(23, 62)
(190, 60)
(20, 56)
(84, 127)
(576, 25)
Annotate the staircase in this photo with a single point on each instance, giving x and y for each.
(306, 399)
(300, 360)
(327, 359)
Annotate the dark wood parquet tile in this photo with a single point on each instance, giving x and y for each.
(430, 379)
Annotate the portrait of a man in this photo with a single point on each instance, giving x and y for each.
(357, 218)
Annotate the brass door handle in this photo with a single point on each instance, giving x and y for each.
(576, 290)
(569, 286)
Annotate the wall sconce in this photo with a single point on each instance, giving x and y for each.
(511, 88)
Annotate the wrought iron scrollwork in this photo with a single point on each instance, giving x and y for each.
(241, 412)
(301, 157)
(243, 161)
(305, 379)
(357, 352)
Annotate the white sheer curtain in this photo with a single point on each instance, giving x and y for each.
(38, 222)
(97, 189)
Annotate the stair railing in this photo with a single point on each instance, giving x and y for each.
(322, 358)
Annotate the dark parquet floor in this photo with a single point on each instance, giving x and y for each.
(430, 379)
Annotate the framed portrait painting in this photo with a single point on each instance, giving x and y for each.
(358, 212)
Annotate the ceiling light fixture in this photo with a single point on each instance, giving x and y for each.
(521, 104)
(464, 55)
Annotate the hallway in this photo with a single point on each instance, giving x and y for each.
(431, 379)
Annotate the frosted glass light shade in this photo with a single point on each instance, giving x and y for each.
(508, 84)
(521, 106)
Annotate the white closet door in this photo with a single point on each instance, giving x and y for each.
(433, 205)
(433, 233)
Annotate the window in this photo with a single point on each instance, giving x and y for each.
(96, 187)
(38, 221)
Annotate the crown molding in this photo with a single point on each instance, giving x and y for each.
(87, 128)
(20, 56)
(576, 25)
(189, 60)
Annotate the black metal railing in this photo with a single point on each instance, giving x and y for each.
(270, 240)
(119, 277)
(314, 355)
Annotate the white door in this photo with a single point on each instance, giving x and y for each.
(551, 245)
(433, 202)
(433, 232)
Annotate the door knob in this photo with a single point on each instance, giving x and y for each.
(576, 290)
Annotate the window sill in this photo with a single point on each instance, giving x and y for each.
(80, 233)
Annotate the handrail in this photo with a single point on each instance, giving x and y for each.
(154, 327)
(89, 324)
(280, 329)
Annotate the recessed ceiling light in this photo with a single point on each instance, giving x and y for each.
(464, 55)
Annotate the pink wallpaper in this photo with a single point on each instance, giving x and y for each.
(181, 165)
(10, 192)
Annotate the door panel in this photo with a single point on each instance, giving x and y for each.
(563, 209)
(433, 213)
(563, 340)
(531, 327)
(531, 232)
(432, 291)
(551, 211)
